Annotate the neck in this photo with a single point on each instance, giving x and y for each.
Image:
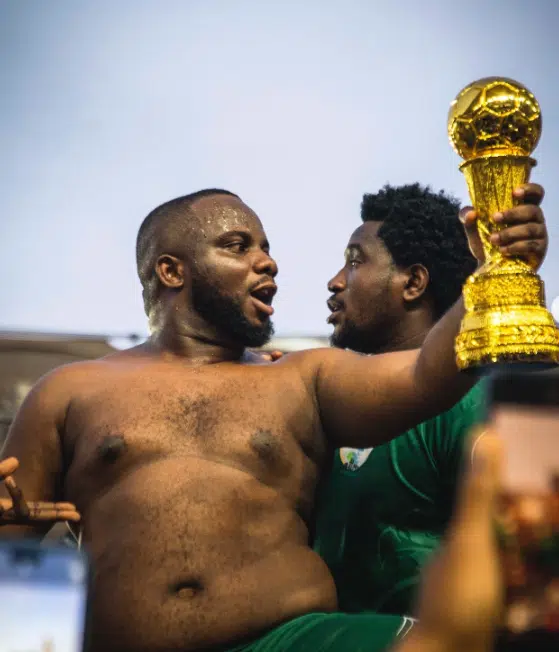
(409, 334)
(175, 333)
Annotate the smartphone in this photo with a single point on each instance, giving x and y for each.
(43, 597)
(524, 411)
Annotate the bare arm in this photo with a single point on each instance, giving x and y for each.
(35, 440)
(367, 400)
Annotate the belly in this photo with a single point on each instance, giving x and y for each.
(190, 554)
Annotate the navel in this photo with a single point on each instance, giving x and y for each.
(187, 590)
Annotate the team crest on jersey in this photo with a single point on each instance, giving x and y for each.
(353, 458)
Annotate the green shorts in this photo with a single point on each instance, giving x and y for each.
(332, 632)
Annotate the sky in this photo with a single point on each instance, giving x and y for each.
(110, 108)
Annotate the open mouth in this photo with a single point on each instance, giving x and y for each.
(263, 296)
(335, 310)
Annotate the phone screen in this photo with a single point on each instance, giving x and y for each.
(43, 598)
(524, 410)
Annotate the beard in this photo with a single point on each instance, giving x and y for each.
(351, 337)
(226, 314)
(370, 339)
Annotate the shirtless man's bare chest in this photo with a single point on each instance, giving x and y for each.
(195, 486)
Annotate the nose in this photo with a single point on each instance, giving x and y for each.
(265, 264)
(338, 283)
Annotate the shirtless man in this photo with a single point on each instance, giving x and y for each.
(194, 464)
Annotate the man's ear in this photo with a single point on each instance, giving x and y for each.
(170, 271)
(416, 282)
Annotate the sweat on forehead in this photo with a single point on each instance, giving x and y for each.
(171, 228)
(166, 225)
(173, 216)
(223, 213)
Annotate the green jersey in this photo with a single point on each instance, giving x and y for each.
(382, 511)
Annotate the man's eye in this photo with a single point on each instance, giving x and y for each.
(353, 262)
(237, 247)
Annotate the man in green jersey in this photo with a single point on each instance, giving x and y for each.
(382, 511)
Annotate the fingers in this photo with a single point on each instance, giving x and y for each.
(39, 511)
(19, 511)
(522, 239)
(54, 512)
(522, 231)
(18, 501)
(519, 215)
(271, 356)
(530, 193)
(525, 234)
(467, 215)
(8, 467)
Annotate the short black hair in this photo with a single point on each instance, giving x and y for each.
(420, 226)
(159, 229)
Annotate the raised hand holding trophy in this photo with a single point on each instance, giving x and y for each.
(494, 124)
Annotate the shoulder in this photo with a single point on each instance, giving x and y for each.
(317, 359)
(62, 383)
(46, 404)
(316, 364)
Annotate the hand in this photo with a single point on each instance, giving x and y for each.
(270, 356)
(18, 511)
(525, 233)
(461, 601)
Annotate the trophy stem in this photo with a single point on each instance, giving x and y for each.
(491, 181)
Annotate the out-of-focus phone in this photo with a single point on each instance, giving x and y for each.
(524, 410)
(43, 598)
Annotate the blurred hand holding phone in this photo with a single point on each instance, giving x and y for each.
(524, 411)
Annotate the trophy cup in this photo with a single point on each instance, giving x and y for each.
(494, 124)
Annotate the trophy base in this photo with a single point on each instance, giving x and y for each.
(506, 321)
(481, 369)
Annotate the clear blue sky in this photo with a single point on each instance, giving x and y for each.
(110, 108)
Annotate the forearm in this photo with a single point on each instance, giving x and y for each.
(437, 376)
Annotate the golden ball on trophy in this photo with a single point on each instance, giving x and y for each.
(494, 116)
(495, 124)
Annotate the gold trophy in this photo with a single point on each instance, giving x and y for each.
(494, 124)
